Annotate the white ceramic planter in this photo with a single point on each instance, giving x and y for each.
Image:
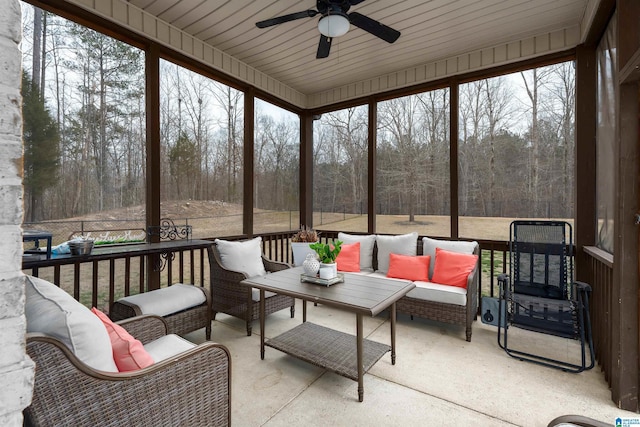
(300, 251)
(328, 271)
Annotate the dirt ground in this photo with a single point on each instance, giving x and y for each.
(218, 219)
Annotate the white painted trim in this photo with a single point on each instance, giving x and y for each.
(143, 23)
(531, 47)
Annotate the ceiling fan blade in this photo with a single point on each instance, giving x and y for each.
(355, 2)
(372, 26)
(323, 47)
(286, 18)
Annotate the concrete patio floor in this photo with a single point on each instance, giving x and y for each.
(438, 379)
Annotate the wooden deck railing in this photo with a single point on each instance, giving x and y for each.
(111, 272)
(601, 280)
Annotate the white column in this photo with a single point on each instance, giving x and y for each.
(16, 368)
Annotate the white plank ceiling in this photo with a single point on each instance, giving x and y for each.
(431, 30)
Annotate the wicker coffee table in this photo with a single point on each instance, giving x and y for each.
(345, 354)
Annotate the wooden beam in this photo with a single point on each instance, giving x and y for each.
(453, 158)
(306, 169)
(624, 315)
(601, 19)
(372, 136)
(624, 379)
(153, 196)
(628, 31)
(248, 167)
(585, 157)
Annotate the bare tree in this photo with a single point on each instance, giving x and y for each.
(277, 147)
(398, 120)
(564, 90)
(349, 130)
(534, 80)
(230, 103)
(497, 98)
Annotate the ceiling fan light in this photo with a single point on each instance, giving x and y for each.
(333, 25)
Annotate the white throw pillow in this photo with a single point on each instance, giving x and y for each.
(404, 244)
(366, 248)
(52, 311)
(243, 256)
(429, 248)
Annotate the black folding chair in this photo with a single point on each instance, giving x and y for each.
(539, 292)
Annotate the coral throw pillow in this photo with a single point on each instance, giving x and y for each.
(349, 257)
(453, 268)
(128, 352)
(409, 267)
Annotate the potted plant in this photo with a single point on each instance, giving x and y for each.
(300, 242)
(327, 252)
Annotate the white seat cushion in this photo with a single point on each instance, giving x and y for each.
(404, 244)
(52, 311)
(433, 291)
(439, 293)
(384, 276)
(243, 257)
(169, 300)
(167, 346)
(255, 294)
(366, 248)
(429, 248)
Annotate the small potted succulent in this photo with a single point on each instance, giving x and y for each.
(300, 242)
(327, 252)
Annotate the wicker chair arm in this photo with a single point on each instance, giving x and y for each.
(576, 420)
(472, 283)
(145, 328)
(192, 388)
(272, 266)
(229, 283)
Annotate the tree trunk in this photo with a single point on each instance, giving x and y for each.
(37, 47)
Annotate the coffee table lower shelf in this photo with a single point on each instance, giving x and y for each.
(327, 348)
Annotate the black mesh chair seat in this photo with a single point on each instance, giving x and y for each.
(551, 316)
(539, 292)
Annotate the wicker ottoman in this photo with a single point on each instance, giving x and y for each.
(185, 308)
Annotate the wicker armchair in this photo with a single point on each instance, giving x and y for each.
(231, 297)
(193, 388)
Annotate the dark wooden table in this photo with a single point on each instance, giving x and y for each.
(106, 252)
(325, 347)
(35, 236)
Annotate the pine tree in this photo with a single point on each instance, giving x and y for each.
(41, 150)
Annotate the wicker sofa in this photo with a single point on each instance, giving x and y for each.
(77, 382)
(428, 300)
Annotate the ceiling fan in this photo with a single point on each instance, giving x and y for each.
(335, 23)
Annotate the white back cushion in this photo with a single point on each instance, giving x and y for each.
(429, 248)
(404, 244)
(366, 248)
(244, 256)
(52, 311)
